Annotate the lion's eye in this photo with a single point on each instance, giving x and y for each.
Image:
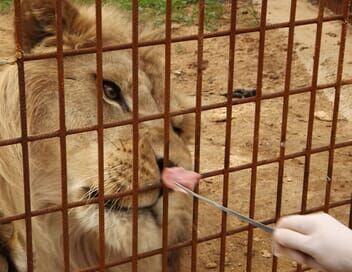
(177, 130)
(111, 90)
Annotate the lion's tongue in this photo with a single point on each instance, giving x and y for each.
(187, 178)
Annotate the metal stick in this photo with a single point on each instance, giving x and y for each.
(227, 210)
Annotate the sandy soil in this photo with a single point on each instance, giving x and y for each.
(279, 11)
(213, 132)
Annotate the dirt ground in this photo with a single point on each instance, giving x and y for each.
(216, 51)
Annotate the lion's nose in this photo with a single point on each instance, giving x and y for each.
(160, 162)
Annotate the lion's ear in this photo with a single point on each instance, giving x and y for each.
(39, 20)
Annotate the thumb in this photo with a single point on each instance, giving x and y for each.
(297, 256)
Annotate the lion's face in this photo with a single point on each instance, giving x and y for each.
(48, 171)
(81, 111)
(118, 147)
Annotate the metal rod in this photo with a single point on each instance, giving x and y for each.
(135, 128)
(350, 219)
(241, 217)
(284, 121)
(313, 94)
(100, 133)
(204, 175)
(24, 135)
(230, 83)
(91, 50)
(197, 135)
(200, 37)
(62, 131)
(74, 131)
(329, 179)
(312, 105)
(253, 186)
(208, 238)
(165, 231)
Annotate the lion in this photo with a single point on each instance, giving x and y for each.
(43, 113)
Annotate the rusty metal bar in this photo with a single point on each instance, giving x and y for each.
(135, 134)
(198, 118)
(312, 109)
(329, 178)
(284, 121)
(62, 132)
(232, 47)
(167, 83)
(260, 68)
(100, 133)
(216, 236)
(172, 114)
(44, 211)
(204, 175)
(24, 135)
(92, 50)
(208, 238)
(312, 105)
(350, 220)
(135, 45)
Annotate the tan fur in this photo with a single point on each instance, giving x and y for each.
(82, 156)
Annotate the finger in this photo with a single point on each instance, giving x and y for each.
(304, 224)
(313, 264)
(297, 256)
(290, 253)
(291, 239)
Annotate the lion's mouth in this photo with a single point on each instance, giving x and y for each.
(118, 205)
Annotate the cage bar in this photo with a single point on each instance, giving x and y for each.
(329, 177)
(146, 118)
(197, 134)
(166, 115)
(231, 65)
(167, 85)
(209, 238)
(135, 134)
(260, 68)
(100, 133)
(62, 131)
(284, 121)
(350, 220)
(90, 50)
(312, 105)
(24, 136)
(312, 109)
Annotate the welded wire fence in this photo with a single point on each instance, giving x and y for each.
(24, 140)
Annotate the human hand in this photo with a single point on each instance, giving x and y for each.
(316, 240)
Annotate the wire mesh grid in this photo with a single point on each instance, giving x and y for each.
(225, 172)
